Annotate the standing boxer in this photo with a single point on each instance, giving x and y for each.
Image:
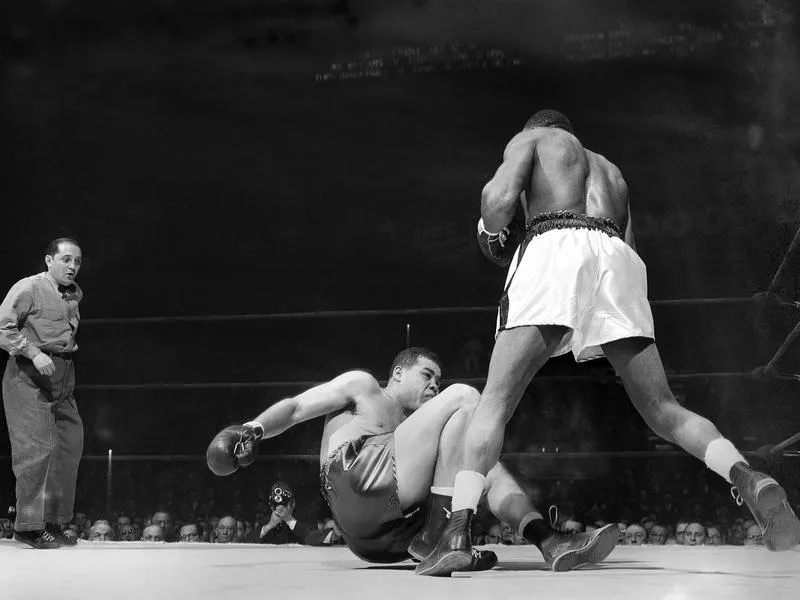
(577, 285)
(38, 324)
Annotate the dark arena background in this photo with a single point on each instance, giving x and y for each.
(268, 193)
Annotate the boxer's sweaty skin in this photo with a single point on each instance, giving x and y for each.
(555, 173)
(361, 407)
(371, 412)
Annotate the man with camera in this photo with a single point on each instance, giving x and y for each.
(283, 527)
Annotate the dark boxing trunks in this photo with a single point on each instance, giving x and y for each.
(358, 481)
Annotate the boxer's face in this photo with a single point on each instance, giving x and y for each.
(65, 264)
(422, 381)
(127, 533)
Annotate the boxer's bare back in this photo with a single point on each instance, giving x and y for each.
(556, 173)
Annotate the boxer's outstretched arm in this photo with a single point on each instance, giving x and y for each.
(320, 400)
(501, 196)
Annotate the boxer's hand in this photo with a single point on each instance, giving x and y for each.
(44, 364)
(497, 247)
(233, 447)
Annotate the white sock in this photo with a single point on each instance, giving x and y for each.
(468, 490)
(720, 456)
(531, 516)
(442, 491)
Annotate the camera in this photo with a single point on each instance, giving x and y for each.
(279, 497)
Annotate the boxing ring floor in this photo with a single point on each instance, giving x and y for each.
(154, 571)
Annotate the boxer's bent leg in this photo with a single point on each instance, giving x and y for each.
(451, 444)
(417, 442)
(518, 354)
(638, 364)
(507, 500)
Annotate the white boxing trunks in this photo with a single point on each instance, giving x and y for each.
(576, 274)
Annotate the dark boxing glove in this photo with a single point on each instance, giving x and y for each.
(233, 447)
(500, 247)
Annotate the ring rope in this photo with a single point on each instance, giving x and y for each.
(264, 457)
(787, 442)
(467, 380)
(789, 252)
(407, 312)
(770, 366)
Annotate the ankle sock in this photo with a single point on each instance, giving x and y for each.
(720, 456)
(468, 490)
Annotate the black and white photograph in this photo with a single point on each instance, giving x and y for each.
(393, 299)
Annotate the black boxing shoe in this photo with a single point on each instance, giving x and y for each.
(766, 499)
(58, 533)
(425, 541)
(453, 551)
(565, 552)
(40, 539)
(482, 560)
(438, 515)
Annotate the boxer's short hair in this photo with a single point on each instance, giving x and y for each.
(408, 358)
(550, 118)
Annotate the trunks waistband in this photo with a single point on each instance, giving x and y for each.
(566, 219)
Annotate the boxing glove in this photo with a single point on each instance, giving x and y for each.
(233, 447)
(500, 247)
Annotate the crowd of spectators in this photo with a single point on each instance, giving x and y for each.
(653, 500)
